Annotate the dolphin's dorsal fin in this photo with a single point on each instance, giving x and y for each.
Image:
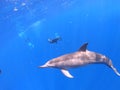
(83, 47)
(66, 73)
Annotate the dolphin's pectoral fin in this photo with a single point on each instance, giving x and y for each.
(66, 73)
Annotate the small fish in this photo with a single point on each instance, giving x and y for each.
(0, 71)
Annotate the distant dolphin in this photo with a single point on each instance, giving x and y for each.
(79, 58)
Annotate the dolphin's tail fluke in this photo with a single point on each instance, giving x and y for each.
(115, 70)
(110, 64)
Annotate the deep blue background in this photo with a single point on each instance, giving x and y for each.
(24, 22)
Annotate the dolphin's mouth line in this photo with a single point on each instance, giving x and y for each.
(43, 66)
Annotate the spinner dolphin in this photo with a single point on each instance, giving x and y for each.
(79, 58)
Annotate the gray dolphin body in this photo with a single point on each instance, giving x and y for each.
(80, 58)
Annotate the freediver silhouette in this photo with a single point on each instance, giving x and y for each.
(54, 40)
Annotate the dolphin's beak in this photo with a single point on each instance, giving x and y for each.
(43, 66)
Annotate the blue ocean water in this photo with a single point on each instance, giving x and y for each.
(26, 26)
